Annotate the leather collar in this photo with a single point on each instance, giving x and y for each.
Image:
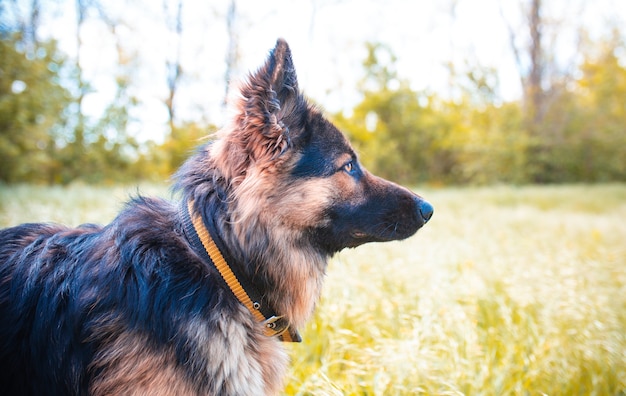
(206, 243)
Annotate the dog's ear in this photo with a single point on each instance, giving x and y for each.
(270, 104)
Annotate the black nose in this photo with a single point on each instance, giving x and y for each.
(426, 210)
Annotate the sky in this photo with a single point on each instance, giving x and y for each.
(327, 41)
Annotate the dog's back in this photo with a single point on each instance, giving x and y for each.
(120, 310)
(36, 283)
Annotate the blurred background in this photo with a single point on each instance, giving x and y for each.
(438, 93)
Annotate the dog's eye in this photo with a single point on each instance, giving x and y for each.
(349, 167)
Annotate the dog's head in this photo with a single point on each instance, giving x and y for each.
(291, 171)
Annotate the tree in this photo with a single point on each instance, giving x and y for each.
(398, 131)
(174, 69)
(544, 84)
(179, 145)
(593, 147)
(232, 51)
(412, 136)
(26, 18)
(32, 102)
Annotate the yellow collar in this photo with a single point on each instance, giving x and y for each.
(203, 243)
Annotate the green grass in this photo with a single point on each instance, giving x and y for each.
(508, 291)
(72, 205)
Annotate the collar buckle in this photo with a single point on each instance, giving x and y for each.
(275, 325)
(278, 326)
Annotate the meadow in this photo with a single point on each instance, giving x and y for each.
(507, 291)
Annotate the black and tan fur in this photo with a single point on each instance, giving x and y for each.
(131, 309)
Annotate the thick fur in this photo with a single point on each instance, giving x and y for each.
(130, 308)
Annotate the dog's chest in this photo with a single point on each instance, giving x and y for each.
(238, 358)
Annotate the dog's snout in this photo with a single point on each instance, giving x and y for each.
(425, 210)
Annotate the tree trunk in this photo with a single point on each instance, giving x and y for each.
(232, 50)
(174, 69)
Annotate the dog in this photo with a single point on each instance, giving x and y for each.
(196, 295)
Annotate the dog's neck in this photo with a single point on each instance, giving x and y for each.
(205, 240)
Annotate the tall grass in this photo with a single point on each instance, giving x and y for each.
(72, 205)
(507, 291)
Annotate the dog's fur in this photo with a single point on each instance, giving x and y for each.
(130, 308)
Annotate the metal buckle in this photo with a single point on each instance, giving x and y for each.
(276, 325)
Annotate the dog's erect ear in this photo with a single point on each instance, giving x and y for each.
(279, 67)
(270, 104)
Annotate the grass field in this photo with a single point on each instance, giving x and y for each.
(508, 291)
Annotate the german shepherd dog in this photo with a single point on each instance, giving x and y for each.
(195, 297)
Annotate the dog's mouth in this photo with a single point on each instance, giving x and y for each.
(361, 237)
(358, 235)
(390, 233)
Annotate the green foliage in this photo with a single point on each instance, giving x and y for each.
(413, 136)
(402, 134)
(32, 103)
(595, 134)
(101, 150)
(45, 137)
(398, 133)
(181, 142)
